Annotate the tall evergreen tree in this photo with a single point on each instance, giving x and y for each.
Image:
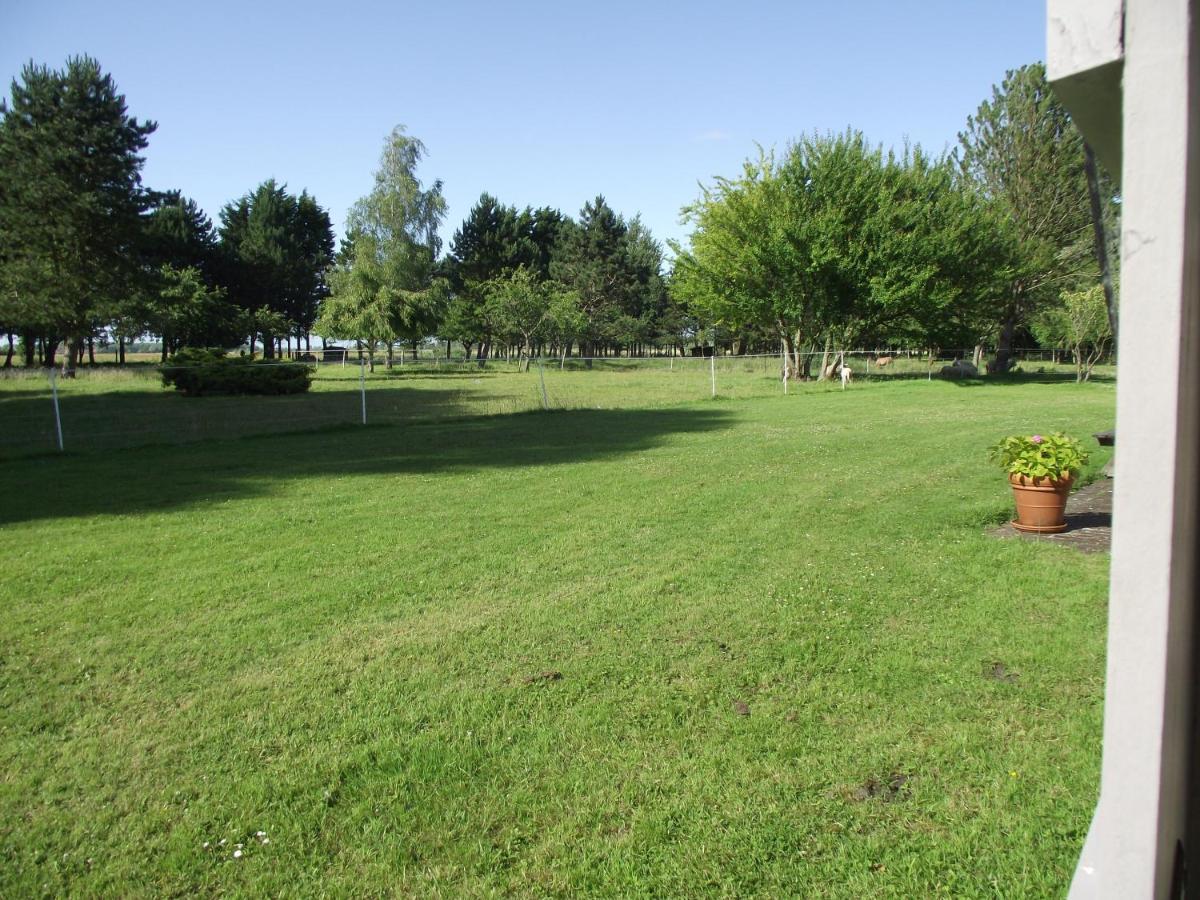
(275, 248)
(1026, 155)
(594, 262)
(71, 200)
(489, 243)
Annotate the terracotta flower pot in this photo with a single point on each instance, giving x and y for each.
(1041, 503)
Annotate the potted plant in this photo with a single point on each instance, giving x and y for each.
(1040, 469)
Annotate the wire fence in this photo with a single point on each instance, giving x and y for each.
(110, 407)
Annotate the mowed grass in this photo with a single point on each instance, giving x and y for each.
(758, 647)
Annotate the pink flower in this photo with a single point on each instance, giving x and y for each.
(1037, 439)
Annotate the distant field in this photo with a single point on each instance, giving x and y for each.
(757, 647)
(108, 408)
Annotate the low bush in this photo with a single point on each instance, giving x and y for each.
(199, 373)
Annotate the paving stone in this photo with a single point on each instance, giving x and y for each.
(1089, 521)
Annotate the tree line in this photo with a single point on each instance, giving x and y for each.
(830, 244)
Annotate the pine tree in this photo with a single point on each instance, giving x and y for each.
(71, 200)
(1026, 155)
(275, 248)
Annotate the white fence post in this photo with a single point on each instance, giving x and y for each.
(542, 379)
(362, 387)
(57, 414)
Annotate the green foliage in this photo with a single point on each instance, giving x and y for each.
(199, 373)
(1078, 323)
(1053, 456)
(71, 198)
(275, 248)
(185, 311)
(523, 307)
(1025, 155)
(178, 233)
(493, 241)
(383, 288)
(838, 240)
(614, 267)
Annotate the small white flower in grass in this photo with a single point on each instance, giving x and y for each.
(266, 841)
(221, 843)
(260, 834)
(237, 854)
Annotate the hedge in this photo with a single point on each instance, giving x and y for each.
(198, 373)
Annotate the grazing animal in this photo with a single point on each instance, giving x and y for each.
(845, 376)
(960, 368)
(883, 361)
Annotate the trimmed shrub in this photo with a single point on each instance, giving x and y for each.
(199, 373)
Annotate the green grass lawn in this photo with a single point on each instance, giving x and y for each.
(742, 647)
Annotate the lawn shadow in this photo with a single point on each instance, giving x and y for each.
(983, 380)
(162, 478)
(121, 420)
(1028, 378)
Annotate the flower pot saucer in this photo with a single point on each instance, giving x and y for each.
(1038, 529)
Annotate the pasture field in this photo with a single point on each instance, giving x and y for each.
(109, 408)
(752, 646)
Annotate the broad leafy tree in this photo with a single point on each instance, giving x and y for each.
(385, 288)
(1079, 323)
(840, 243)
(525, 308)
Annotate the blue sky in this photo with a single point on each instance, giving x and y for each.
(540, 103)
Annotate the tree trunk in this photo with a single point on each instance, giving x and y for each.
(390, 352)
(1002, 361)
(1093, 180)
(68, 366)
(977, 358)
(91, 348)
(825, 359)
(268, 342)
(9, 356)
(121, 350)
(29, 347)
(791, 358)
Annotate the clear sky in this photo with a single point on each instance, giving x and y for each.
(539, 103)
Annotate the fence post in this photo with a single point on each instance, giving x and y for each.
(542, 379)
(57, 414)
(362, 387)
(712, 367)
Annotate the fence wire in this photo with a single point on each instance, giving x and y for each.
(109, 407)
